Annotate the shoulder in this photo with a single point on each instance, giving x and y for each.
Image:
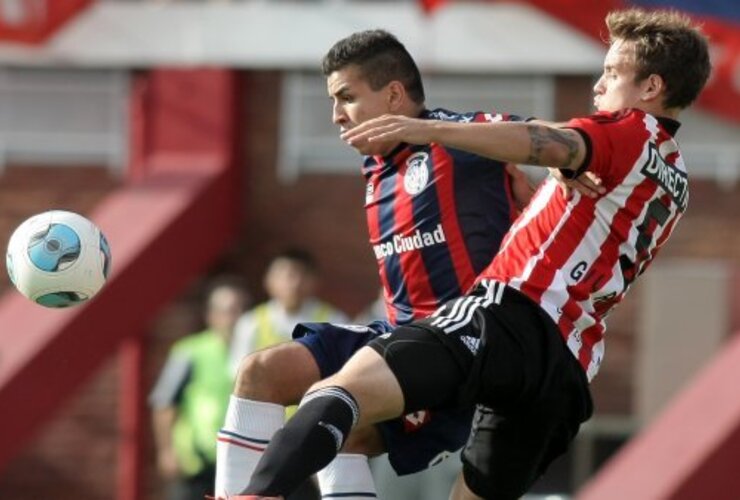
(614, 127)
(491, 116)
(450, 116)
(612, 120)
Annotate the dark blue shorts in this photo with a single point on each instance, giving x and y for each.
(414, 442)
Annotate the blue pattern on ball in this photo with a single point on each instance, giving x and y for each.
(55, 248)
(61, 299)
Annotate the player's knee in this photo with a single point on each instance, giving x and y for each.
(253, 376)
(279, 374)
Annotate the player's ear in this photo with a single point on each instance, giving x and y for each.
(652, 87)
(395, 96)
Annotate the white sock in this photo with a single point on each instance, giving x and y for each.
(349, 475)
(248, 427)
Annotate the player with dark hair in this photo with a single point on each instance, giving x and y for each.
(524, 344)
(435, 217)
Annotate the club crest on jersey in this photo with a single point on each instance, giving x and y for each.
(416, 177)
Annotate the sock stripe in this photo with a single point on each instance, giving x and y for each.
(240, 444)
(242, 441)
(243, 438)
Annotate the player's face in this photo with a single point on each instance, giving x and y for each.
(354, 102)
(616, 88)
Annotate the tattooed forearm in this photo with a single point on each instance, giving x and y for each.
(544, 138)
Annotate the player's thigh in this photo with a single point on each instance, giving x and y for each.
(430, 367)
(279, 374)
(373, 385)
(504, 456)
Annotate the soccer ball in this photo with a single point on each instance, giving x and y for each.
(58, 259)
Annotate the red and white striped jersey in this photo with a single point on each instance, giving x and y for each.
(577, 257)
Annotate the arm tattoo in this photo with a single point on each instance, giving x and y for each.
(541, 136)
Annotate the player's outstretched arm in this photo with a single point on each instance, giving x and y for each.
(514, 142)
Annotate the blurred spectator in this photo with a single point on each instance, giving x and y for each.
(291, 281)
(191, 394)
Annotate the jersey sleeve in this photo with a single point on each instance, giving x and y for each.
(608, 136)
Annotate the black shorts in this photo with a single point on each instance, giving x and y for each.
(496, 350)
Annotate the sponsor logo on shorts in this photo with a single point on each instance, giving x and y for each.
(400, 244)
(414, 421)
(471, 343)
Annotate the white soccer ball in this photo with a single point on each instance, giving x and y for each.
(58, 259)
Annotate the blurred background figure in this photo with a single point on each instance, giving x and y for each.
(191, 394)
(291, 282)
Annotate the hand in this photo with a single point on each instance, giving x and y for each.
(390, 129)
(521, 187)
(588, 184)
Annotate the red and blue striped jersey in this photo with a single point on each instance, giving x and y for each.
(436, 217)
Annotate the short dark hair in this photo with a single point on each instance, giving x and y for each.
(381, 59)
(668, 45)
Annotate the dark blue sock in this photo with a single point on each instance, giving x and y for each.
(307, 442)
